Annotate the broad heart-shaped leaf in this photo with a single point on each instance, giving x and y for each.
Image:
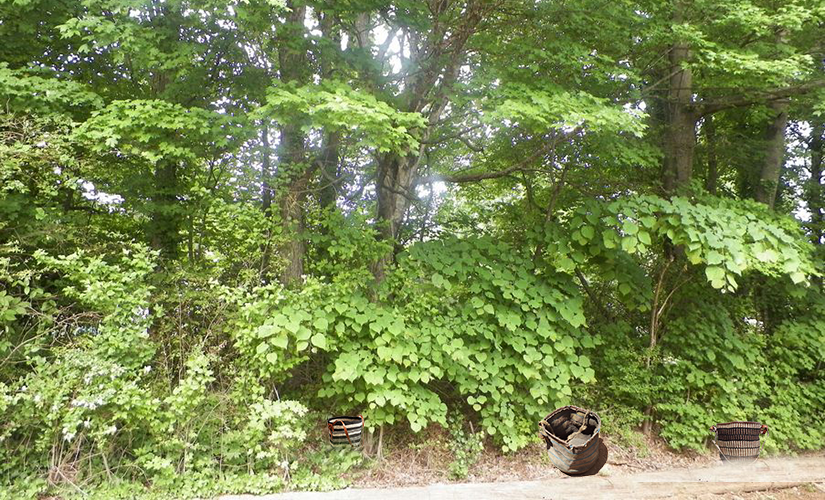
(265, 331)
(293, 325)
(576, 370)
(798, 277)
(644, 237)
(384, 353)
(321, 324)
(609, 238)
(767, 255)
(303, 333)
(396, 328)
(280, 341)
(630, 227)
(713, 257)
(629, 244)
(715, 273)
(319, 340)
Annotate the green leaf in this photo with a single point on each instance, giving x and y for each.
(319, 340)
(714, 257)
(280, 341)
(265, 331)
(629, 244)
(644, 237)
(609, 239)
(715, 273)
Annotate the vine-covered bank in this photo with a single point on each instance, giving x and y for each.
(223, 222)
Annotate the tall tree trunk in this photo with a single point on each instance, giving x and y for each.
(680, 134)
(330, 156)
(266, 171)
(293, 170)
(814, 189)
(266, 201)
(712, 177)
(679, 145)
(164, 226)
(768, 183)
(439, 56)
(394, 185)
(290, 202)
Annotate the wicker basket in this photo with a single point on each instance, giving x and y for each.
(572, 438)
(345, 430)
(738, 441)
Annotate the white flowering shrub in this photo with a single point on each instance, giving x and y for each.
(100, 397)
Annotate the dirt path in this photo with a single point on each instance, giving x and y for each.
(680, 483)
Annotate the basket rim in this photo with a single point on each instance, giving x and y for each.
(738, 422)
(354, 419)
(577, 409)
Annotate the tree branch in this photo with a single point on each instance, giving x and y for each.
(709, 107)
(460, 178)
(481, 176)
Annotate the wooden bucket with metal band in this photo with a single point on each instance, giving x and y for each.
(345, 430)
(738, 441)
(572, 438)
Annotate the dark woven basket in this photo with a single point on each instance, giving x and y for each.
(738, 441)
(572, 438)
(345, 430)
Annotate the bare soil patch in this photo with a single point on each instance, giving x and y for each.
(426, 461)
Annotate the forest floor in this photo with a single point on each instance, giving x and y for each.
(631, 466)
(776, 478)
(414, 464)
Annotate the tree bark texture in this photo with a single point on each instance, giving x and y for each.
(771, 168)
(294, 171)
(712, 177)
(438, 57)
(680, 134)
(814, 192)
(164, 226)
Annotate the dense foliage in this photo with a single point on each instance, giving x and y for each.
(222, 221)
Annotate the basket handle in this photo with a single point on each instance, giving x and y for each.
(714, 438)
